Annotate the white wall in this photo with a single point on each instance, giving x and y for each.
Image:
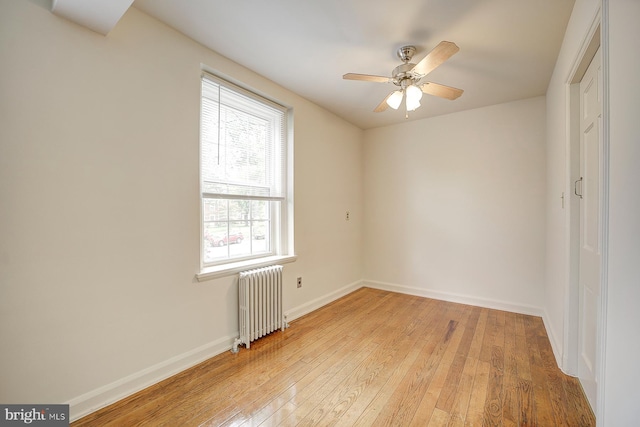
(99, 208)
(622, 374)
(454, 206)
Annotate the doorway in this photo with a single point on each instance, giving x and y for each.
(584, 323)
(588, 189)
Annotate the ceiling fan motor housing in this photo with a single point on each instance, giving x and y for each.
(403, 75)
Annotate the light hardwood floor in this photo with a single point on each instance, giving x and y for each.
(373, 358)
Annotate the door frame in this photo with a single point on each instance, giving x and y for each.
(595, 38)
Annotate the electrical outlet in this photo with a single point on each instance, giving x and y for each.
(347, 217)
(299, 282)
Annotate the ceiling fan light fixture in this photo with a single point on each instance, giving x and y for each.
(395, 99)
(411, 106)
(414, 95)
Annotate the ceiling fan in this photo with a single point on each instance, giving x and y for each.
(408, 77)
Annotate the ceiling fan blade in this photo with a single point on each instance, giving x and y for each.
(442, 91)
(383, 105)
(366, 78)
(437, 56)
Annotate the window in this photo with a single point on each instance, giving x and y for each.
(243, 174)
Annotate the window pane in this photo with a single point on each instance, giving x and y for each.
(215, 210)
(238, 152)
(261, 232)
(239, 209)
(215, 233)
(261, 226)
(246, 148)
(237, 245)
(215, 238)
(259, 209)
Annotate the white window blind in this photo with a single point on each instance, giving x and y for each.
(243, 143)
(243, 169)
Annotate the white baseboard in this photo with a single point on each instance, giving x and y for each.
(106, 395)
(315, 304)
(117, 390)
(457, 298)
(553, 339)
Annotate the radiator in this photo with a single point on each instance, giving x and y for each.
(259, 304)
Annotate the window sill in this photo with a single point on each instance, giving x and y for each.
(229, 269)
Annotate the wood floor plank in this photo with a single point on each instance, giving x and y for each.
(493, 404)
(475, 411)
(372, 358)
(526, 405)
(555, 384)
(269, 384)
(541, 398)
(276, 418)
(463, 394)
(258, 394)
(478, 337)
(372, 372)
(327, 382)
(408, 395)
(448, 392)
(284, 390)
(438, 419)
(406, 349)
(315, 378)
(489, 337)
(522, 353)
(427, 405)
(499, 328)
(307, 390)
(510, 404)
(365, 415)
(435, 324)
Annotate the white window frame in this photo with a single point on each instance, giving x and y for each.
(281, 219)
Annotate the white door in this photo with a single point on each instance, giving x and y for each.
(589, 188)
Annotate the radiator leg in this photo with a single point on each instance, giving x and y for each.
(235, 348)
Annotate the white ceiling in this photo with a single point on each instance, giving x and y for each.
(507, 51)
(99, 15)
